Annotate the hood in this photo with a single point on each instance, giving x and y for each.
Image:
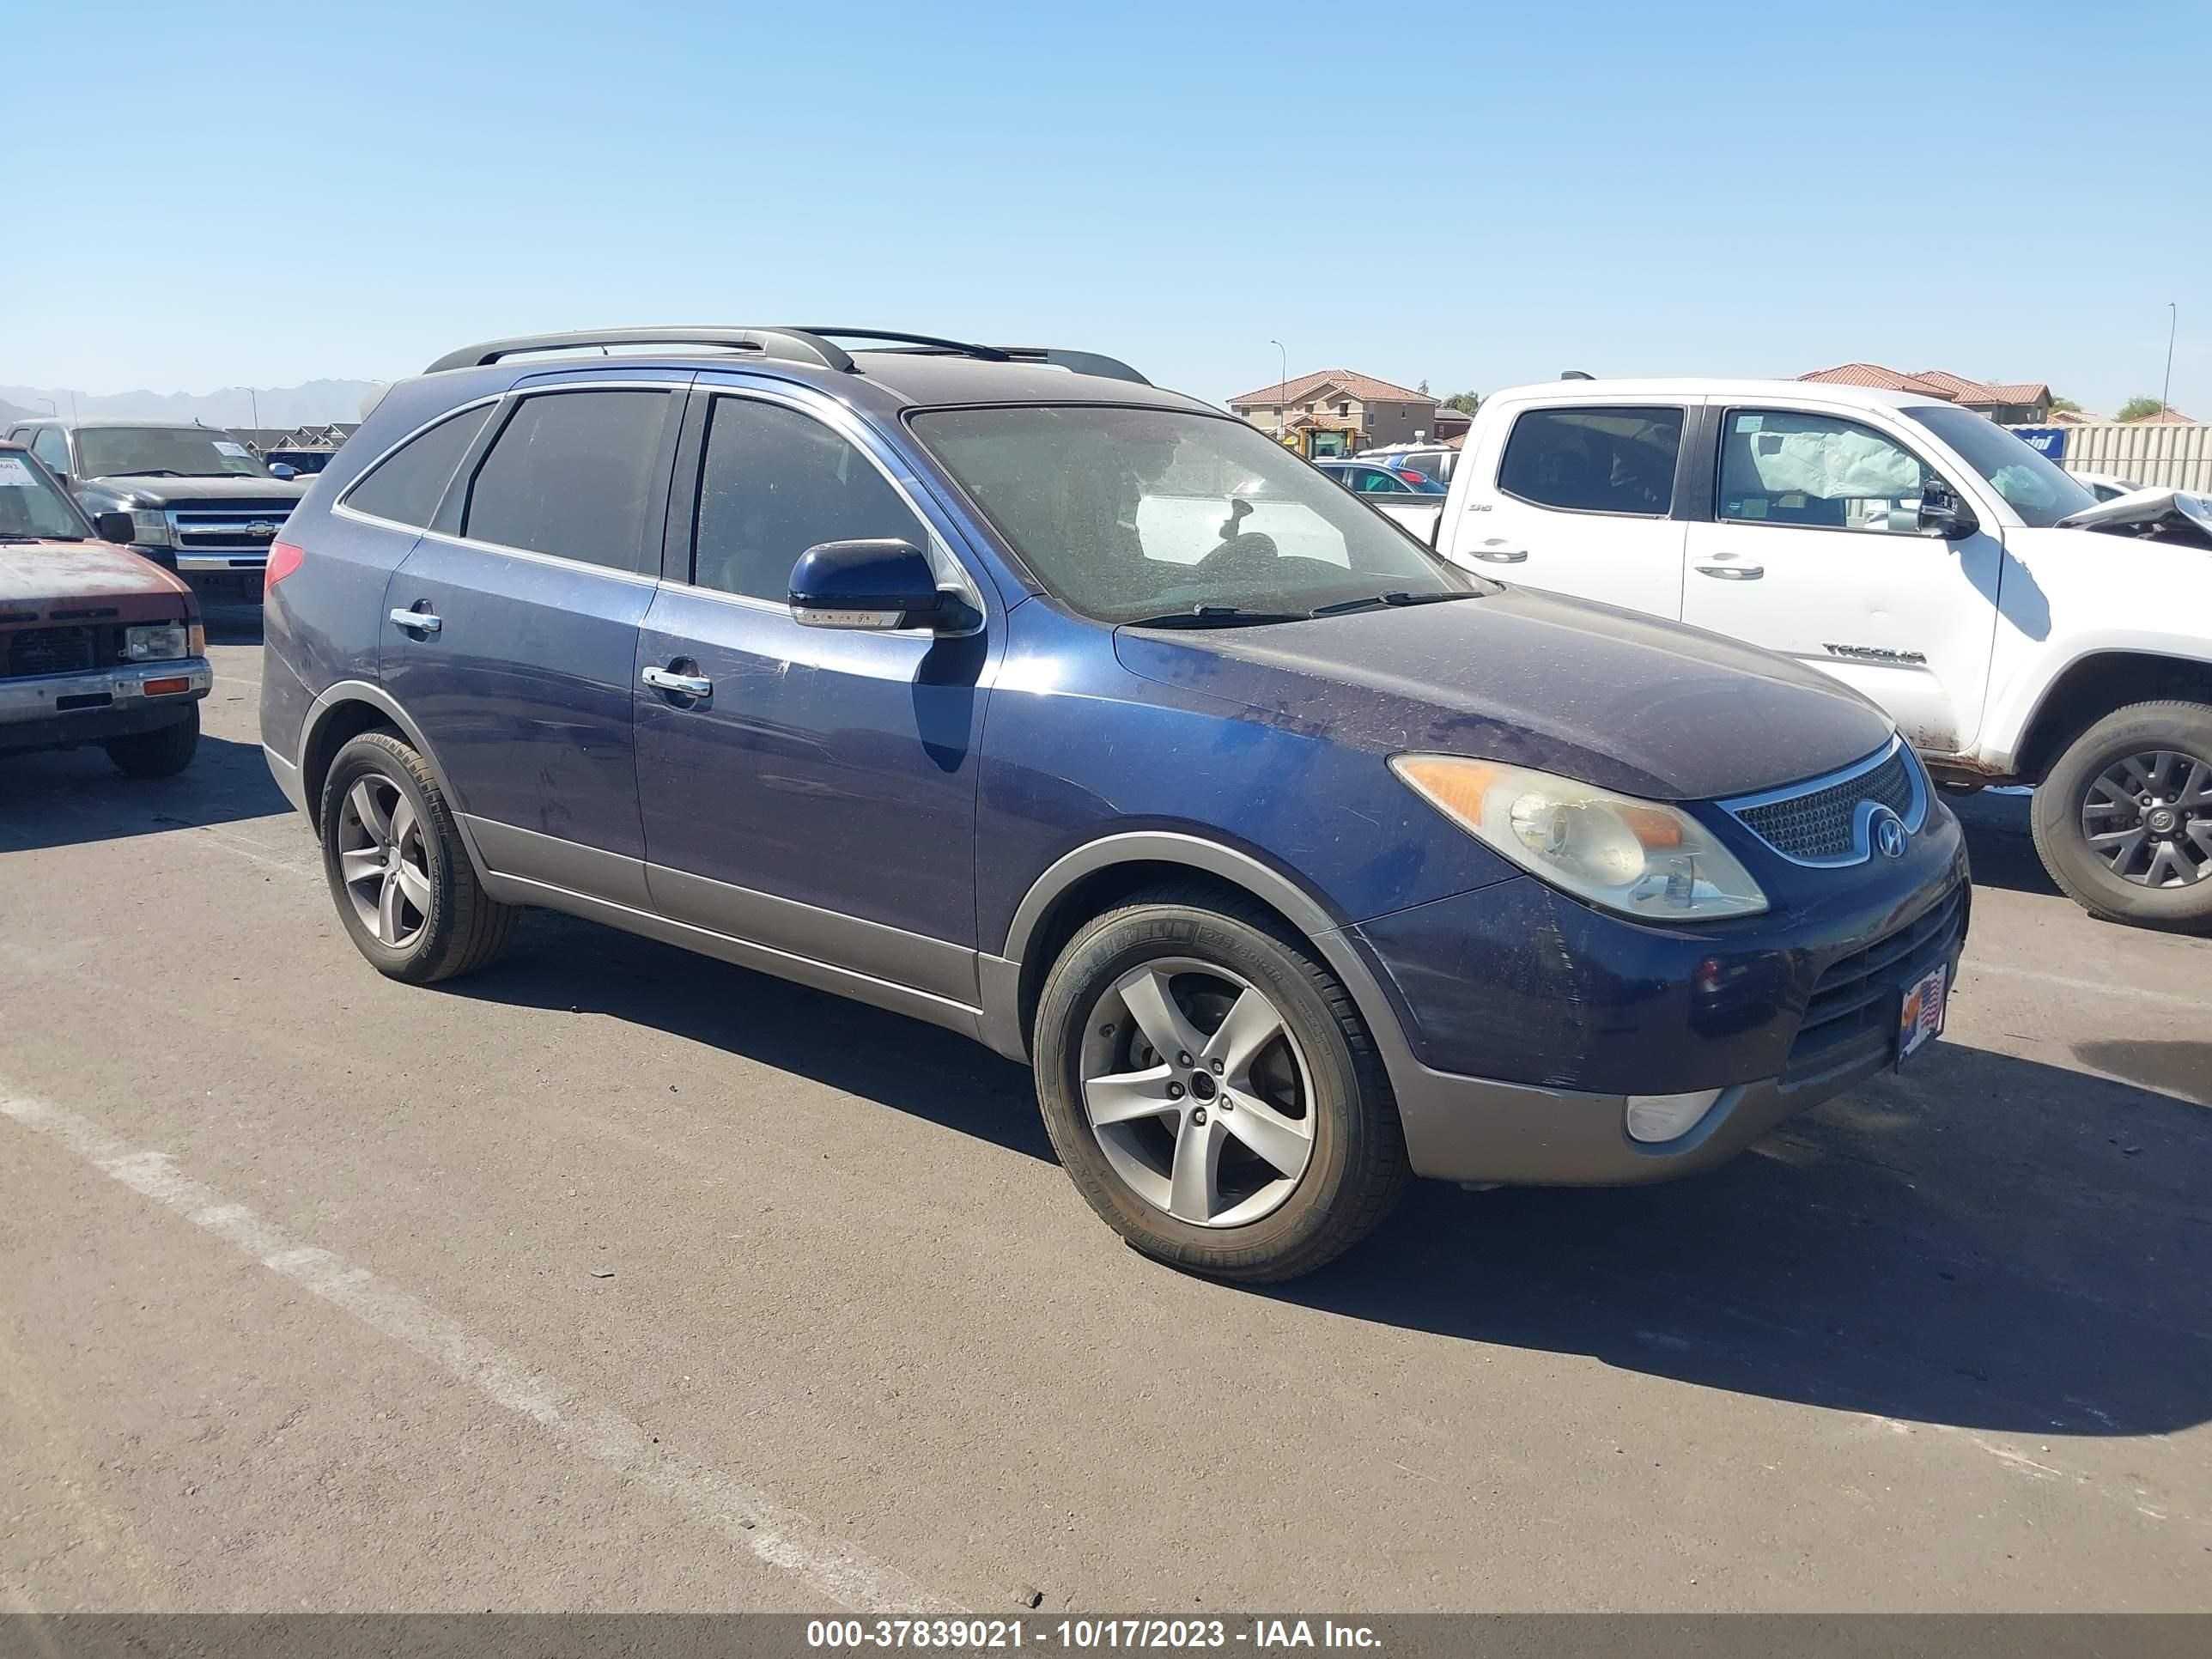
(38, 579)
(128, 491)
(1607, 697)
(2167, 515)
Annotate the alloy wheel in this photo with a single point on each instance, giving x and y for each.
(382, 861)
(1198, 1092)
(2149, 818)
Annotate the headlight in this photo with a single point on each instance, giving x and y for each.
(149, 528)
(1641, 858)
(161, 643)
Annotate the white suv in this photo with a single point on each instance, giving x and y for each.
(2015, 630)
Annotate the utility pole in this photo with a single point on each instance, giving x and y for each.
(2172, 321)
(253, 398)
(1283, 389)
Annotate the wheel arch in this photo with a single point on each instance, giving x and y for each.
(1093, 877)
(2091, 687)
(343, 713)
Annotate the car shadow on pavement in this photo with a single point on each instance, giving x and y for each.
(231, 623)
(560, 962)
(67, 797)
(1985, 1242)
(2000, 843)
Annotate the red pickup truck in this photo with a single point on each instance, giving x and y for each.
(97, 645)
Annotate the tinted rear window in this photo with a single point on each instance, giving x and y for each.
(572, 474)
(1594, 460)
(407, 485)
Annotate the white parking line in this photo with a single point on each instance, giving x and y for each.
(781, 1537)
(2101, 987)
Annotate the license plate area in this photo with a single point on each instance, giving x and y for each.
(1920, 1012)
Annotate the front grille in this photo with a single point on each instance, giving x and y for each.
(228, 528)
(1822, 826)
(51, 650)
(1852, 1014)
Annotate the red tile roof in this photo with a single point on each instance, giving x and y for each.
(1365, 387)
(2164, 417)
(1932, 382)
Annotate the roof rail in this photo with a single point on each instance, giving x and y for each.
(959, 348)
(1077, 362)
(795, 344)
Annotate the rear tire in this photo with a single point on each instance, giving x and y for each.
(2146, 767)
(158, 754)
(401, 880)
(1257, 1169)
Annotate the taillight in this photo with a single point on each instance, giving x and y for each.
(284, 557)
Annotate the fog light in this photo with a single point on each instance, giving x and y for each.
(1663, 1117)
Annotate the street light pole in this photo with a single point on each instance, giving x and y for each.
(253, 398)
(1282, 386)
(2172, 321)
(53, 408)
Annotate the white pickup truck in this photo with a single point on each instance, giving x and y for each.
(2017, 630)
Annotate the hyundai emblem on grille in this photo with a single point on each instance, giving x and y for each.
(1889, 834)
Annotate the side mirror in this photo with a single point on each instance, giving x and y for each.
(283, 470)
(875, 585)
(113, 528)
(1943, 513)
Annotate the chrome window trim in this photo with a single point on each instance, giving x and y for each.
(342, 506)
(1863, 816)
(848, 426)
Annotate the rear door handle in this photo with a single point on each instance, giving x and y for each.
(419, 622)
(1734, 573)
(683, 685)
(1497, 553)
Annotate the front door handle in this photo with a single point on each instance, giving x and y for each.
(419, 622)
(1734, 573)
(1496, 552)
(683, 685)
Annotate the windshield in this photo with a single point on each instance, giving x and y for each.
(1125, 514)
(189, 451)
(2033, 486)
(31, 504)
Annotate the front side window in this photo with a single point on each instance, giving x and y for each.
(32, 505)
(1126, 513)
(406, 486)
(52, 447)
(177, 452)
(572, 473)
(1374, 481)
(1588, 459)
(1782, 467)
(775, 481)
(2032, 485)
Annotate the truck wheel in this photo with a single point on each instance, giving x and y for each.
(2124, 821)
(405, 888)
(158, 754)
(1210, 1089)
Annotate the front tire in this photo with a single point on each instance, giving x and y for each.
(161, 753)
(1212, 1091)
(403, 882)
(2124, 821)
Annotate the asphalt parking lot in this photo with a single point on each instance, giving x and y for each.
(617, 1278)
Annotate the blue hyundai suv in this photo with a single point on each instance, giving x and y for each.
(996, 687)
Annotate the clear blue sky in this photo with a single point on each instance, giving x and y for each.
(265, 194)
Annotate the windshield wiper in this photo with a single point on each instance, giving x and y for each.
(1376, 601)
(1216, 616)
(143, 472)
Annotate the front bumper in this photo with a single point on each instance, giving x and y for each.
(43, 711)
(1527, 1020)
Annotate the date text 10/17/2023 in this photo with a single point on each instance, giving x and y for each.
(1087, 1634)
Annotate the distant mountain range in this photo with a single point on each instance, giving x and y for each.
(318, 401)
